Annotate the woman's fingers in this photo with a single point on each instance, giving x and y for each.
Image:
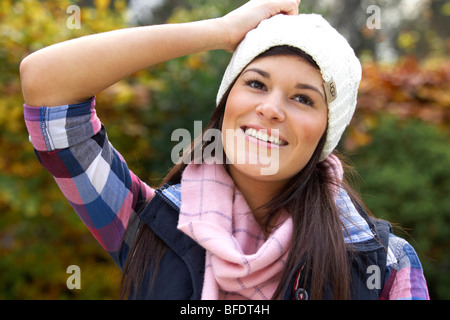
(287, 7)
(247, 17)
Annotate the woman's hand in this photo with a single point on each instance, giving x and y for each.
(247, 17)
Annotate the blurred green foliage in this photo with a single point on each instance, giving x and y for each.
(406, 180)
(398, 141)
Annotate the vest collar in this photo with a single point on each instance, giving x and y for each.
(355, 228)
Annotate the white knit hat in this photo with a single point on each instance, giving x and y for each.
(339, 66)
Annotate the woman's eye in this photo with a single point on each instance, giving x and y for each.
(304, 100)
(255, 84)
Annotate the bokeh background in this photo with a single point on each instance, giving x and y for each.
(398, 140)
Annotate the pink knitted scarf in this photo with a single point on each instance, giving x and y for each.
(240, 262)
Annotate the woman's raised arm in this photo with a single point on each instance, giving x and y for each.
(75, 70)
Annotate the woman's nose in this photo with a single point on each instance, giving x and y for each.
(271, 107)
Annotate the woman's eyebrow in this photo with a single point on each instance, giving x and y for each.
(309, 87)
(261, 72)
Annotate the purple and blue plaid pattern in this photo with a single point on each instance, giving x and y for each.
(71, 143)
(405, 280)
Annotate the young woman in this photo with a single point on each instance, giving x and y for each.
(223, 226)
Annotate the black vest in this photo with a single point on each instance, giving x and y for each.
(181, 270)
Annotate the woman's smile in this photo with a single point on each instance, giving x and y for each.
(268, 138)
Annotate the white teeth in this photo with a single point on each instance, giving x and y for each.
(263, 136)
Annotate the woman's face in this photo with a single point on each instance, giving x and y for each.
(275, 115)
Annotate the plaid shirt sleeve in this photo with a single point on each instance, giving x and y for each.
(71, 143)
(405, 278)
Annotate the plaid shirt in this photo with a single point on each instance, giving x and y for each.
(71, 143)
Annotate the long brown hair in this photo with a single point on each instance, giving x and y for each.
(317, 237)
